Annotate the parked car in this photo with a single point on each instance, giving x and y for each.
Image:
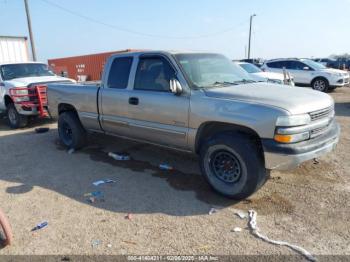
(255, 61)
(260, 76)
(327, 62)
(310, 73)
(17, 81)
(204, 104)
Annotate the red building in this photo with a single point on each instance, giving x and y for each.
(82, 68)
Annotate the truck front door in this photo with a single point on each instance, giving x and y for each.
(156, 114)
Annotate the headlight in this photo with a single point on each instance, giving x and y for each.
(292, 138)
(334, 74)
(22, 99)
(296, 120)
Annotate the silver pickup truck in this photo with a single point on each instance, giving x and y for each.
(204, 104)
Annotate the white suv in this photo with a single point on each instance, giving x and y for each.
(308, 72)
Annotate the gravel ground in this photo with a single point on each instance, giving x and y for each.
(40, 181)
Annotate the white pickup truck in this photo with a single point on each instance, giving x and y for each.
(19, 93)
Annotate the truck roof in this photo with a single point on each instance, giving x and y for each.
(173, 52)
(18, 63)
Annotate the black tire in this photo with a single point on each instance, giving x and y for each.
(15, 120)
(72, 134)
(320, 84)
(240, 154)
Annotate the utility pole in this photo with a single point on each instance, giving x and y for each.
(250, 34)
(30, 30)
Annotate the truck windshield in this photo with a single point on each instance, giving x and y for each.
(13, 71)
(211, 70)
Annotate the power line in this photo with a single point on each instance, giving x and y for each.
(93, 20)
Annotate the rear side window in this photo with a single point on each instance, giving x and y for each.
(119, 73)
(278, 64)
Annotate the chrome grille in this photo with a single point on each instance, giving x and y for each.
(316, 115)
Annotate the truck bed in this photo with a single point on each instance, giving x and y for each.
(82, 96)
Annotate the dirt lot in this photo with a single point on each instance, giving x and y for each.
(40, 181)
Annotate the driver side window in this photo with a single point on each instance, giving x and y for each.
(153, 74)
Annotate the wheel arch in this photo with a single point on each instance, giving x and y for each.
(209, 129)
(8, 100)
(319, 77)
(64, 107)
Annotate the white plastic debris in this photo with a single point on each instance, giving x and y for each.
(255, 231)
(241, 214)
(213, 211)
(119, 156)
(71, 151)
(237, 229)
(100, 182)
(109, 245)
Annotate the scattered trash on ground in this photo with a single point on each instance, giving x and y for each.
(255, 231)
(95, 243)
(6, 228)
(106, 181)
(241, 214)
(109, 245)
(119, 156)
(128, 216)
(40, 226)
(316, 162)
(95, 196)
(237, 229)
(166, 167)
(41, 130)
(129, 242)
(205, 247)
(213, 211)
(71, 151)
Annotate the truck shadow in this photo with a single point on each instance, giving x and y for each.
(141, 187)
(342, 109)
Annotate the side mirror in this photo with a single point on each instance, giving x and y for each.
(175, 87)
(306, 68)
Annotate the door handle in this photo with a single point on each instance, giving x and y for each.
(133, 101)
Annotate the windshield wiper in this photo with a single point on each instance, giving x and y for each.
(245, 81)
(224, 83)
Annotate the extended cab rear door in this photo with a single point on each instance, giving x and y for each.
(114, 95)
(156, 114)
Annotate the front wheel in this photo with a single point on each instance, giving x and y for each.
(320, 84)
(15, 120)
(233, 165)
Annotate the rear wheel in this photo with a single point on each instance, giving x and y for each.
(320, 84)
(233, 165)
(70, 130)
(15, 120)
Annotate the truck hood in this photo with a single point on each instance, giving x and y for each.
(25, 81)
(296, 100)
(335, 71)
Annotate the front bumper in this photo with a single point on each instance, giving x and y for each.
(340, 82)
(289, 156)
(27, 111)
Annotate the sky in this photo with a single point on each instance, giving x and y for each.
(282, 28)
